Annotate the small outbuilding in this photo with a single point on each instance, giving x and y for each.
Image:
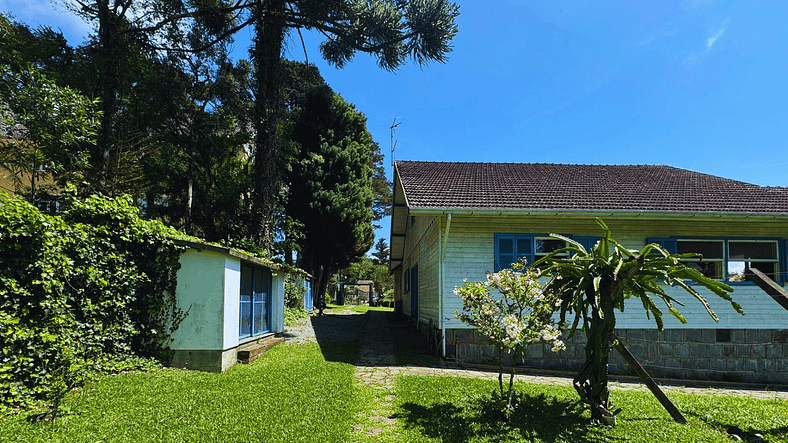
(234, 304)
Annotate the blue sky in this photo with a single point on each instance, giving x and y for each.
(696, 84)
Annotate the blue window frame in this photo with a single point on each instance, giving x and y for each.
(725, 258)
(511, 248)
(255, 301)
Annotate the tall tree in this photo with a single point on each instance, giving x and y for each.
(381, 253)
(330, 186)
(46, 129)
(391, 30)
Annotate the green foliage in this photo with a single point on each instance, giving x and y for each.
(295, 290)
(593, 284)
(519, 314)
(49, 128)
(92, 288)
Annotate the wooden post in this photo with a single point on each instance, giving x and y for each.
(778, 293)
(650, 383)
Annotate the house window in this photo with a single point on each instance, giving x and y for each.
(255, 308)
(726, 259)
(510, 248)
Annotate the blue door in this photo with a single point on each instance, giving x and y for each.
(414, 291)
(255, 302)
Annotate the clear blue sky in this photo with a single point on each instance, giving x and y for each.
(696, 84)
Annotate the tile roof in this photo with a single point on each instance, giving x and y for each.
(541, 186)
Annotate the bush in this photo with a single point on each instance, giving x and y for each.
(86, 290)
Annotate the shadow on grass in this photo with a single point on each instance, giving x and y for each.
(541, 417)
(747, 434)
(339, 335)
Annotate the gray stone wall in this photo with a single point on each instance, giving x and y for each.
(740, 355)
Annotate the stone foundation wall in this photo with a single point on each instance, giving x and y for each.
(741, 355)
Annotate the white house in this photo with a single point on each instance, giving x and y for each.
(455, 221)
(234, 304)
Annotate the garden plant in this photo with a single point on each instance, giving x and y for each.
(593, 284)
(520, 316)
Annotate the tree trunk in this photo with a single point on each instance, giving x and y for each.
(591, 382)
(269, 37)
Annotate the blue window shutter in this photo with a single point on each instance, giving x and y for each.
(587, 242)
(783, 271)
(669, 244)
(504, 251)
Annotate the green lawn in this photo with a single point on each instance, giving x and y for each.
(290, 394)
(308, 393)
(447, 409)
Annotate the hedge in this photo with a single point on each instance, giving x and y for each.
(89, 291)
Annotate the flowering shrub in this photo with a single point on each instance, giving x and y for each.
(521, 315)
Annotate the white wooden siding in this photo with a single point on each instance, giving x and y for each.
(470, 250)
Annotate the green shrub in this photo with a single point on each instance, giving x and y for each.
(86, 290)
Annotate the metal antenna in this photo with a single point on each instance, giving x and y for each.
(393, 128)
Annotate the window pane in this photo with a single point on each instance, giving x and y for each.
(246, 280)
(523, 247)
(711, 269)
(709, 249)
(736, 269)
(245, 327)
(546, 245)
(754, 250)
(257, 317)
(505, 246)
(505, 261)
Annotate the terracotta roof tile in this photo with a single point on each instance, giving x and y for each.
(581, 187)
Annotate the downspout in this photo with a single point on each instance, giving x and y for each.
(443, 244)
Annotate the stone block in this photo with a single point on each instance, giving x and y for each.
(534, 352)
(575, 364)
(694, 335)
(743, 351)
(719, 364)
(751, 336)
(708, 335)
(675, 336)
(750, 365)
(758, 351)
(774, 351)
(634, 335)
(489, 352)
(463, 335)
(738, 336)
(714, 350)
(764, 336)
(681, 350)
(653, 350)
(689, 364)
(768, 365)
(665, 350)
(734, 364)
(782, 365)
(698, 350)
(639, 350)
(652, 335)
(672, 363)
(728, 351)
(703, 363)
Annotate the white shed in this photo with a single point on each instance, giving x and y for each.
(234, 305)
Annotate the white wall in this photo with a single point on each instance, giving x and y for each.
(201, 293)
(232, 301)
(470, 251)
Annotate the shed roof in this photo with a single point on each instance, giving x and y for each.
(565, 187)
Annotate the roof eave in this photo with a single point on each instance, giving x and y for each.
(597, 213)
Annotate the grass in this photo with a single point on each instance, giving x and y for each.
(444, 409)
(292, 393)
(308, 393)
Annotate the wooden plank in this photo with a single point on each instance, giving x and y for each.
(778, 293)
(652, 386)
